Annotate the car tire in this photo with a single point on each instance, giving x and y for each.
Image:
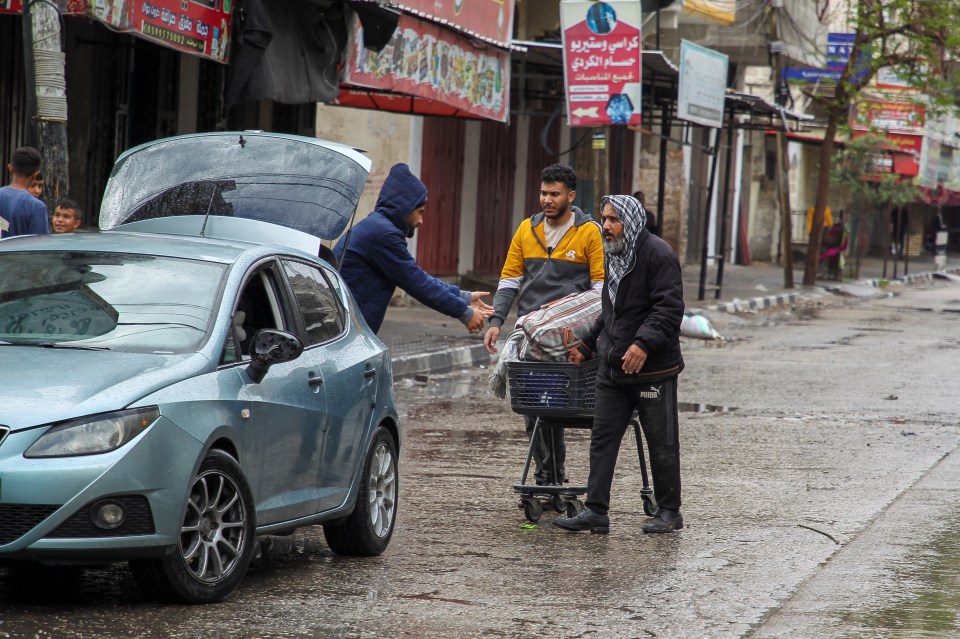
(367, 530)
(217, 541)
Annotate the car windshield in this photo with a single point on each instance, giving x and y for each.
(117, 301)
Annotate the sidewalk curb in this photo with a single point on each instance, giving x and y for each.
(445, 361)
(772, 301)
(437, 362)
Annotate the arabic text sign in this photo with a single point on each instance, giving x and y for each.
(490, 20)
(888, 116)
(602, 60)
(428, 61)
(201, 27)
(66, 7)
(703, 85)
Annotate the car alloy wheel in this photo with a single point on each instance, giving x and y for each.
(382, 493)
(217, 538)
(368, 529)
(211, 539)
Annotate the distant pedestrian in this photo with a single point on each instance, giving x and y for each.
(376, 260)
(20, 212)
(67, 217)
(637, 338)
(651, 223)
(827, 220)
(555, 252)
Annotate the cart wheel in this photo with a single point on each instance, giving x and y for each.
(559, 503)
(574, 507)
(649, 509)
(532, 510)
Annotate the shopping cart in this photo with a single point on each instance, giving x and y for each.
(560, 395)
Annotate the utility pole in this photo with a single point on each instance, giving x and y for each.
(783, 181)
(47, 94)
(599, 143)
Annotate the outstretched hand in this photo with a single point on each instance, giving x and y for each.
(478, 304)
(476, 323)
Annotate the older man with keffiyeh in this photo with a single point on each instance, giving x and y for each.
(637, 338)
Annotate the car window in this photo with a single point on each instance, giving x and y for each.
(319, 304)
(259, 306)
(119, 301)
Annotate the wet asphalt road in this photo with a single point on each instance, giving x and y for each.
(819, 480)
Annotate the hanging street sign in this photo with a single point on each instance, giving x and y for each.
(601, 61)
(703, 85)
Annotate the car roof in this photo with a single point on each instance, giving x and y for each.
(225, 251)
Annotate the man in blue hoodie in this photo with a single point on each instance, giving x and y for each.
(376, 259)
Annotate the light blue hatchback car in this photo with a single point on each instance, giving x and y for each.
(195, 375)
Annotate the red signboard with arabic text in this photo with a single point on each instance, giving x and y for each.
(602, 61)
(201, 27)
(490, 20)
(67, 7)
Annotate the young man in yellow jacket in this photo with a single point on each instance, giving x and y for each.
(553, 253)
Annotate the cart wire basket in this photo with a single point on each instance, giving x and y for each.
(560, 395)
(553, 389)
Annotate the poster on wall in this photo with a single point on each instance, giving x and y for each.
(427, 61)
(201, 27)
(489, 20)
(602, 61)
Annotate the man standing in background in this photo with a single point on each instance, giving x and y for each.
(20, 212)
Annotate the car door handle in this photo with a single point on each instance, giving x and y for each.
(315, 381)
(370, 373)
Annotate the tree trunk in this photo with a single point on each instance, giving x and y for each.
(48, 98)
(823, 191)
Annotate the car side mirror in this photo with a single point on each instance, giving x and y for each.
(268, 347)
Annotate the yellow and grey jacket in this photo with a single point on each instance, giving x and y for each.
(535, 277)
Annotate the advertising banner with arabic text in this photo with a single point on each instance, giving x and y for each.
(67, 7)
(428, 61)
(602, 61)
(201, 27)
(490, 20)
(888, 116)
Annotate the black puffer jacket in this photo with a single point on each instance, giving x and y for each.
(648, 313)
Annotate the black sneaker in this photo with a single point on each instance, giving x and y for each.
(664, 521)
(586, 519)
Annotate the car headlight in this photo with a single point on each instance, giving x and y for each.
(93, 435)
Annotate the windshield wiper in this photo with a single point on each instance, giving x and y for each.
(77, 347)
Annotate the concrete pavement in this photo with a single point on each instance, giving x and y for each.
(423, 341)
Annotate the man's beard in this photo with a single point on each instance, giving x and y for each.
(614, 246)
(558, 212)
(411, 231)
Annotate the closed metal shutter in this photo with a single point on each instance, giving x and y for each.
(495, 182)
(438, 243)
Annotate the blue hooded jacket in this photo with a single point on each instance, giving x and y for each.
(377, 259)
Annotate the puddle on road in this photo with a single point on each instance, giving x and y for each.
(928, 599)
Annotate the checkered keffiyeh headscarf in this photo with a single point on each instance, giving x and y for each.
(633, 218)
